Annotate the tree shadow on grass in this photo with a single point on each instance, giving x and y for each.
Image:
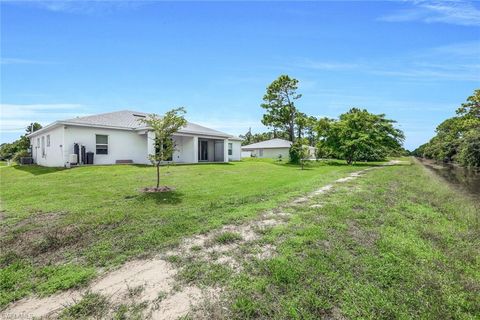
(309, 165)
(170, 197)
(37, 170)
(165, 165)
(356, 164)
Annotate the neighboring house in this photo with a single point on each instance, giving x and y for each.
(120, 137)
(274, 148)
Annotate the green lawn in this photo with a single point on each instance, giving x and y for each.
(58, 227)
(395, 244)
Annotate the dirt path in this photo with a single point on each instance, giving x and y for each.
(153, 282)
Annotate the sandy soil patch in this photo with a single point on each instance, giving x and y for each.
(154, 275)
(177, 305)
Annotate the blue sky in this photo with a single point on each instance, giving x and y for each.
(416, 61)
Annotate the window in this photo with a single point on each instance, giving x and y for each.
(38, 142)
(230, 149)
(43, 147)
(260, 152)
(203, 150)
(101, 144)
(48, 140)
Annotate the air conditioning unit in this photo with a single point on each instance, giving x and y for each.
(73, 158)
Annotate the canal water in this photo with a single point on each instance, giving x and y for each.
(465, 179)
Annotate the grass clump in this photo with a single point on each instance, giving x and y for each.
(204, 273)
(21, 277)
(227, 237)
(92, 305)
(15, 281)
(62, 277)
(132, 311)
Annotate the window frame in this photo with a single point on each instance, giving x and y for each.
(43, 149)
(230, 149)
(101, 145)
(48, 140)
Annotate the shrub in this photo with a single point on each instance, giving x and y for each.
(298, 152)
(20, 154)
(322, 150)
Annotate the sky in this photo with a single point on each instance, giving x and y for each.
(415, 61)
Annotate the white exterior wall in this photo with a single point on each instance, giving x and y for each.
(195, 149)
(225, 151)
(53, 156)
(272, 153)
(185, 151)
(236, 150)
(150, 144)
(122, 144)
(311, 152)
(246, 154)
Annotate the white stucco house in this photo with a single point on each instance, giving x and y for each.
(274, 149)
(120, 137)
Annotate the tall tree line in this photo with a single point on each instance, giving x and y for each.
(18, 148)
(457, 139)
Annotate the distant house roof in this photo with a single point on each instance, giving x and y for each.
(131, 120)
(268, 144)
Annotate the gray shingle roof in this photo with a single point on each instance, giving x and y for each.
(124, 119)
(131, 120)
(269, 144)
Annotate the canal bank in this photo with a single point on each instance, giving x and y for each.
(465, 179)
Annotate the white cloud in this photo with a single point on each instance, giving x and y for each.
(468, 49)
(81, 6)
(15, 117)
(471, 74)
(18, 61)
(454, 62)
(324, 65)
(430, 11)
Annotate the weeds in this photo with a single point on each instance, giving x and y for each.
(92, 305)
(134, 292)
(227, 237)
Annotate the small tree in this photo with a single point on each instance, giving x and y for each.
(164, 128)
(298, 153)
(360, 135)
